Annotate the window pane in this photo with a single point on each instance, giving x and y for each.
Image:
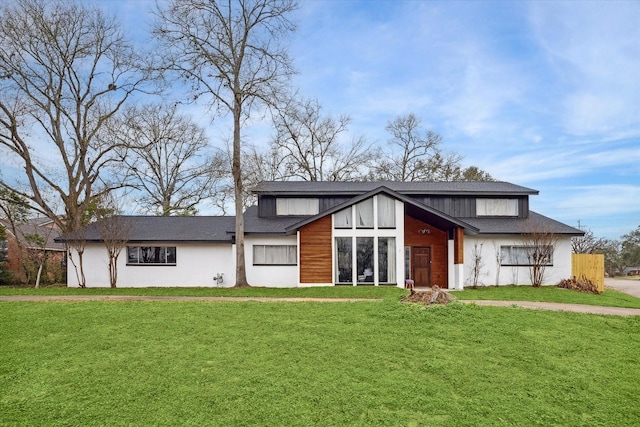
(496, 207)
(151, 255)
(365, 259)
(386, 260)
(344, 260)
(525, 256)
(342, 219)
(364, 214)
(171, 255)
(297, 206)
(274, 254)
(132, 255)
(386, 212)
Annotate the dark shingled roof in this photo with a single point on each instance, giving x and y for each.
(522, 225)
(172, 229)
(307, 188)
(222, 228)
(253, 224)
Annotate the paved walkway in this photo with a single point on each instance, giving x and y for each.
(628, 286)
(556, 306)
(631, 287)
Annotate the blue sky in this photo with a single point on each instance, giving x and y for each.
(544, 94)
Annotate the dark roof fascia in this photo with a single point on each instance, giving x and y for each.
(381, 189)
(405, 188)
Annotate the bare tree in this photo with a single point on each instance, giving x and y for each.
(259, 165)
(35, 250)
(168, 157)
(114, 231)
(539, 245)
(231, 54)
(477, 264)
(66, 70)
(311, 147)
(417, 155)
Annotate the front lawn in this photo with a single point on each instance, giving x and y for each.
(300, 364)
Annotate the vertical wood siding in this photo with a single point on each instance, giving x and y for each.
(458, 246)
(315, 252)
(437, 240)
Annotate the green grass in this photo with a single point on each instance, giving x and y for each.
(305, 364)
(609, 298)
(508, 293)
(312, 292)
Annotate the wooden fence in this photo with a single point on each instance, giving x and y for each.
(590, 266)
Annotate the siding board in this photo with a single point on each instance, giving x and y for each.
(315, 252)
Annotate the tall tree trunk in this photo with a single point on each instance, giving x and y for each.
(39, 275)
(236, 170)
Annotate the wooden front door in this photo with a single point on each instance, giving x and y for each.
(421, 266)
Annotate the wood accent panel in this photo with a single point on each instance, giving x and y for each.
(316, 251)
(438, 241)
(458, 246)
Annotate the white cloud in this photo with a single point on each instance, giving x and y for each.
(595, 50)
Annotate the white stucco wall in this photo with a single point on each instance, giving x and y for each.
(196, 265)
(491, 273)
(274, 276)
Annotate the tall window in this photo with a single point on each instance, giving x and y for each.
(365, 259)
(386, 260)
(286, 206)
(386, 212)
(344, 260)
(275, 254)
(151, 255)
(496, 207)
(364, 214)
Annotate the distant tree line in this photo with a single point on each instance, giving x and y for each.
(619, 255)
(87, 114)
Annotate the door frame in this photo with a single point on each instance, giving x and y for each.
(412, 266)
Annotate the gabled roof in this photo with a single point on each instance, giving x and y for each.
(170, 229)
(319, 188)
(41, 226)
(437, 218)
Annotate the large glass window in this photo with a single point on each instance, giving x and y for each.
(364, 214)
(151, 255)
(275, 254)
(344, 260)
(304, 206)
(525, 256)
(342, 219)
(496, 207)
(365, 259)
(386, 260)
(386, 212)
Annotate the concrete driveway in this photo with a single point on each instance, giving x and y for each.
(628, 286)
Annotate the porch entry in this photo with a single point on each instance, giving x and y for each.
(421, 266)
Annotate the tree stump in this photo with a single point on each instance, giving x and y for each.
(435, 295)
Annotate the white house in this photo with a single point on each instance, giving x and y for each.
(342, 233)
